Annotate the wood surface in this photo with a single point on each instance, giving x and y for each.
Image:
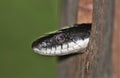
(96, 60)
(116, 41)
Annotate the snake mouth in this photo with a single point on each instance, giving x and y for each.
(64, 41)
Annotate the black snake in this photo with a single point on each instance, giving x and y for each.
(64, 41)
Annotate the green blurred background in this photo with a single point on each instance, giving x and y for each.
(21, 22)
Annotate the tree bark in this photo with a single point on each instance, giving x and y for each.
(102, 30)
(116, 42)
(95, 62)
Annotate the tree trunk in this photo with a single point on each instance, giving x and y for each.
(95, 62)
(116, 41)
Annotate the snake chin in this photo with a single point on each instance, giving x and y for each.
(67, 48)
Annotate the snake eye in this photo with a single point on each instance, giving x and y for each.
(59, 38)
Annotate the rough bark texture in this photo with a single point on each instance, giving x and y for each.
(116, 41)
(103, 23)
(69, 9)
(95, 62)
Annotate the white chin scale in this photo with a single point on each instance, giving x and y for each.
(68, 48)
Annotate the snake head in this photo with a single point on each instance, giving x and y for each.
(64, 41)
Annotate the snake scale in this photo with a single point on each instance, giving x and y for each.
(65, 41)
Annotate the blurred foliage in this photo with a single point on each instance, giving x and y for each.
(21, 22)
